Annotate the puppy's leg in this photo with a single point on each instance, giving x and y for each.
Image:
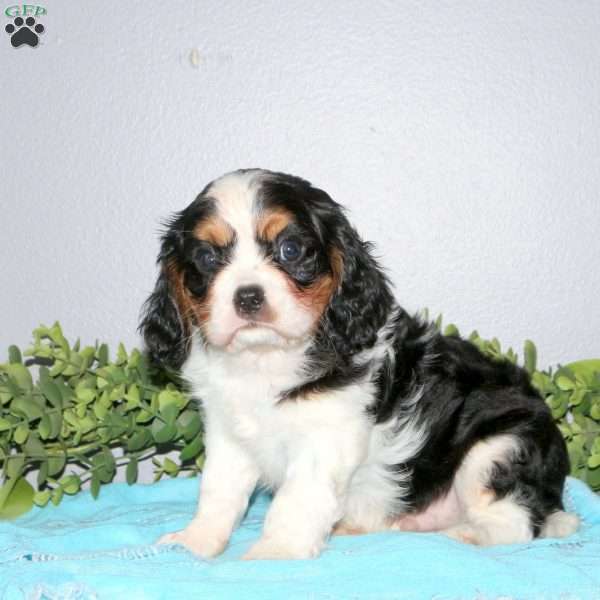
(560, 524)
(486, 519)
(306, 506)
(228, 479)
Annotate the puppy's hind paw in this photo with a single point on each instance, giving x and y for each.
(559, 524)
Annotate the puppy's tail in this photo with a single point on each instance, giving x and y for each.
(559, 524)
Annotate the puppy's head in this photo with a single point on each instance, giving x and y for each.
(262, 261)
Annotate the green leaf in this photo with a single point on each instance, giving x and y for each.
(5, 394)
(20, 373)
(577, 397)
(143, 416)
(564, 380)
(134, 358)
(191, 450)
(66, 393)
(84, 394)
(117, 393)
(594, 461)
(170, 467)
(51, 391)
(131, 472)
(70, 484)
(163, 432)
(560, 408)
(133, 396)
(56, 464)
(13, 467)
(4, 425)
(105, 465)
(587, 368)
(140, 440)
(189, 423)
(25, 406)
(41, 498)
(121, 355)
(56, 335)
(100, 410)
(42, 475)
(88, 423)
(530, 353)
(592, 477)
(169, 398)
(102, 355)
(21, 434)
(44, 427)
(34, 448)
(169, 413)
(14, 355)
(18, 501)
(55, 424)
(56, 496)
(57, 368)
(541, 382)
(95, 486)
(451, 330)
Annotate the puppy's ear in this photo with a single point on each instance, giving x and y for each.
(361, 304)
(162, 326)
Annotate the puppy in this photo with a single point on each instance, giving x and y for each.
(316, 384)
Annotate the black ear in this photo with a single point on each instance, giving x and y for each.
(162, 326)
(363, 300)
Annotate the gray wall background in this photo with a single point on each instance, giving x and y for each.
(463, 136)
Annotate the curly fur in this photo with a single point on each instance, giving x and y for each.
(357, 415)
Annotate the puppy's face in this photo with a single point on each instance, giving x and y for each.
(248, 262)
(264, 260)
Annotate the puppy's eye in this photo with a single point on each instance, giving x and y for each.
(207, 258)
(290, 250)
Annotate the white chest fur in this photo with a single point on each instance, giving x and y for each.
(240, 395)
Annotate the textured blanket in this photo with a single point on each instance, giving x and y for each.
(104, 549)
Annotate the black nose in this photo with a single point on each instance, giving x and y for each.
(248, 300)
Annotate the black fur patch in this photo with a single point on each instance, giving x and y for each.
(463, 396)
(467, 397)
(162, 327)
(359, 308)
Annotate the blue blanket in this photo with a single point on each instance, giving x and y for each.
(87, 549)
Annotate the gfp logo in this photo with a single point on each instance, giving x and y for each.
(24, 30)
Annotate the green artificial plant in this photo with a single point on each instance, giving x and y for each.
(69, 416)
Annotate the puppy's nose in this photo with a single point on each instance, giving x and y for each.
(248, 300)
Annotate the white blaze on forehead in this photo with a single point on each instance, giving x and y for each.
(235, 195)
(236, 202)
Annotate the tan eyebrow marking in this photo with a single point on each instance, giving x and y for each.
(272, 223)
(215, 231)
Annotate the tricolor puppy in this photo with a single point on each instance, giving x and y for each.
(316, 384)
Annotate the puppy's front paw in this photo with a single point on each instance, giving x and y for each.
(271, 549)
(202, 543)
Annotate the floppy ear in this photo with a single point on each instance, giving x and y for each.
(162, 326)
(362, 301)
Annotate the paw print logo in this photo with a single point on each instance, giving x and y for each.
(24, 32)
